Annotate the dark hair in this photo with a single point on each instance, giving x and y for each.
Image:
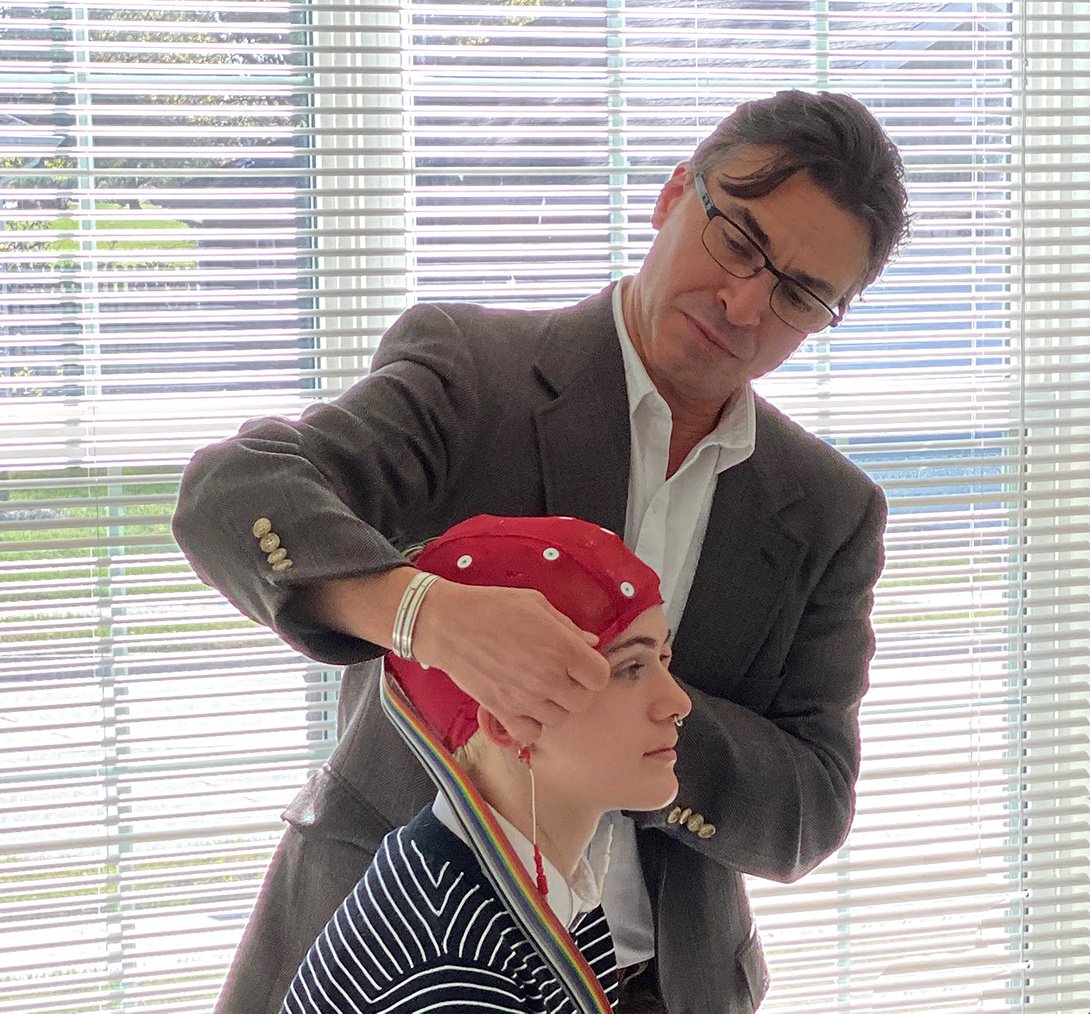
(834, 138)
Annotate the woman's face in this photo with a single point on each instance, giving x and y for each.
(618, 754)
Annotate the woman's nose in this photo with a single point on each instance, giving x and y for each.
(674, 701)
(684, 702)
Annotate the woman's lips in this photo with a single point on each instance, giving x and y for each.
(662, 753)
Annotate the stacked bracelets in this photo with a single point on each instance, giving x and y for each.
(408, 610)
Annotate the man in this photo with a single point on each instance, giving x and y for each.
(631, 409)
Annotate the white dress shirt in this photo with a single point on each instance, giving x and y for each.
(665, 525)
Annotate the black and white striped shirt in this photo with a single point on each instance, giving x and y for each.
(425, 931)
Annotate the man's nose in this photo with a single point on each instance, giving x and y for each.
(745, 300)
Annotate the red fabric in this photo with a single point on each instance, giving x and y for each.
(583, 570)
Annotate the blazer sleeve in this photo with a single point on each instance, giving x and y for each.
(340, 486)
(779, 787)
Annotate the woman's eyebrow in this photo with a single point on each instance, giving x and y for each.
(641, 640)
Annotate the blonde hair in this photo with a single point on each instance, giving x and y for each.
(469, 755)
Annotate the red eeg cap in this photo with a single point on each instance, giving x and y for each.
(586, 572)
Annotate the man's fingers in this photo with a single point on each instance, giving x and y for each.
(589, 636)
(511, 650)
(586, 667)
(573, 696)
(524, 729)
(551, 713)
(539, 712)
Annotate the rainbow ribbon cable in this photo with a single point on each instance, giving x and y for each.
(502, 867)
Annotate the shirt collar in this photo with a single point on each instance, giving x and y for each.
(568, 900)
(736, 431)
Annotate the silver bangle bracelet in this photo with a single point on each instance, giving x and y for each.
(408, 610)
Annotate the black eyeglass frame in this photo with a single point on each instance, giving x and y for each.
(835, 316)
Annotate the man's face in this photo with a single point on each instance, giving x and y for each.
(618, 753)
(703, 333)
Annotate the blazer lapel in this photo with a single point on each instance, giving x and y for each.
(583, 432)
(742, 575)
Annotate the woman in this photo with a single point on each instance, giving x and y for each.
(487, 900)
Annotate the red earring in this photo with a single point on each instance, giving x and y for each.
(539, 866)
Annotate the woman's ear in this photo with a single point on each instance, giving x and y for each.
(494, 730)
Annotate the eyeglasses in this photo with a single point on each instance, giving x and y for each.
(737, 253)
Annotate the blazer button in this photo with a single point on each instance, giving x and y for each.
(695, 822)
(282, 565)
(706, 831)
(262, 526)
(269, 542)
(277, 555)
(685, 814)
(674, 815)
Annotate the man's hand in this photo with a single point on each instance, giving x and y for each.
(508, 648)
(505, 647)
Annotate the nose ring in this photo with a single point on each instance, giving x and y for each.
(679, 721)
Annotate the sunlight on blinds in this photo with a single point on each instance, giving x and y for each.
(212, 212)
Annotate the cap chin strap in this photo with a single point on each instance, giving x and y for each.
(501, 865)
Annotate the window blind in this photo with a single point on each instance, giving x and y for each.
(213, 214)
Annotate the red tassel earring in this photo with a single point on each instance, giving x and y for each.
(539, 866)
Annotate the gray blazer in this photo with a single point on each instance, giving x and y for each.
(469, 410)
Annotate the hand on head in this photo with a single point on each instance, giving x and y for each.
(509, 649)
(514, 622)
